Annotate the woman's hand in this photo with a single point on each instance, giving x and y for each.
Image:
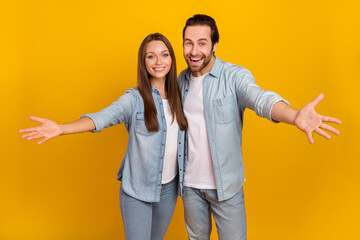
(47, 130)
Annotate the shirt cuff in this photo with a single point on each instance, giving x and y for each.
(99, 123)
(276, 100)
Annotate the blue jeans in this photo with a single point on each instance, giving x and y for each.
(229, 215)
(148, 220)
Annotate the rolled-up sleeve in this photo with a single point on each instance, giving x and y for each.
(252, 96)
(118, 112)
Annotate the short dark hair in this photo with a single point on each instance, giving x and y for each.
(202, 19)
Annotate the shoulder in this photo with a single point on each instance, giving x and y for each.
(131, 97)
(233, 68)
(182, 75)
(233, 72)
(227, 70)
(134, 91)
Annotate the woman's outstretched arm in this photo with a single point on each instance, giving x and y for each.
(50, 129)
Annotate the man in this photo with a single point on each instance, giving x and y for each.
(215, 95)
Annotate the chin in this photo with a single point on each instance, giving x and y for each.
(195, 68)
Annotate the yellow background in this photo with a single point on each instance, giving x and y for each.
(61, 59)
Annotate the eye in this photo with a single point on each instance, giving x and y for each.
(166, 55)
(202, 44)
(150, 57)
(188, 43)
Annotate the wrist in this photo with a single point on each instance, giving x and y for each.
(62, 129)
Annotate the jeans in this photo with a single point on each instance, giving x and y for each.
(229, 215)
(148, 220)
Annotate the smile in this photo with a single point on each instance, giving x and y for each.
(159, 69)
(195, 60)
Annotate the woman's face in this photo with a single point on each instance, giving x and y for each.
(157, 60)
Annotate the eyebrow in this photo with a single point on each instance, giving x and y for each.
(201, 39)
(161, 51)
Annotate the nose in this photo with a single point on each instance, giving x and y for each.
(158, 60)
(194, 50)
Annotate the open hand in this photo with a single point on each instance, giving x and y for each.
(47, 130)
(308, 120)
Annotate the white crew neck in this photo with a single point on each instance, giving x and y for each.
(198, 78)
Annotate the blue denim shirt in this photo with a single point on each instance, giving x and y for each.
(141, 168)
(228, 90)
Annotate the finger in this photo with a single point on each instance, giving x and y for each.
(36, 119)
(331, 119)
(317, 100)
(310, 138)
(322, 133)
(43, 140)
(330, 129)
(29, 134)
(35, 137)
(32, 129)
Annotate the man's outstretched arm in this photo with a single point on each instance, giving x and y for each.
(306, 119)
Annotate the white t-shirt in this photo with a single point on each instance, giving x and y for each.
(199, 167)
(170, 157)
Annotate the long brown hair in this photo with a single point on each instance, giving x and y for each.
(171, 87)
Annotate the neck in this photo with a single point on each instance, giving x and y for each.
(159, 84)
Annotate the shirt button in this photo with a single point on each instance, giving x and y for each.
(160, 103)
(179, 142)
(160, 171)
(180, 169)
(163, 116)
(179, 155)
(164, 130)
(159, 185)
(162, 144)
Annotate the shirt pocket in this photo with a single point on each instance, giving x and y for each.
(224, 110)
(140, 126)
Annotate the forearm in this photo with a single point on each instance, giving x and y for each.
(84, 124)
(282, 112)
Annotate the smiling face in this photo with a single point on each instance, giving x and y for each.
(157, 60)
(198, 49)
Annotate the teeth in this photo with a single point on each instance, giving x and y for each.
(195, 59)
(159, 69)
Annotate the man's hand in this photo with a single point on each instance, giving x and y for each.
(308, 120)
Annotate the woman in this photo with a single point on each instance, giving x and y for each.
(153, 163)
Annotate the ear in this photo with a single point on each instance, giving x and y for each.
(214, 48)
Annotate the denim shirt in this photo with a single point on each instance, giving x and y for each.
(141, 167)
(228, 90)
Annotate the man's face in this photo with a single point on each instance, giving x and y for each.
(198, 49)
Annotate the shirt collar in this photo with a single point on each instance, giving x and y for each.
(215, 70)
(154, 90)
